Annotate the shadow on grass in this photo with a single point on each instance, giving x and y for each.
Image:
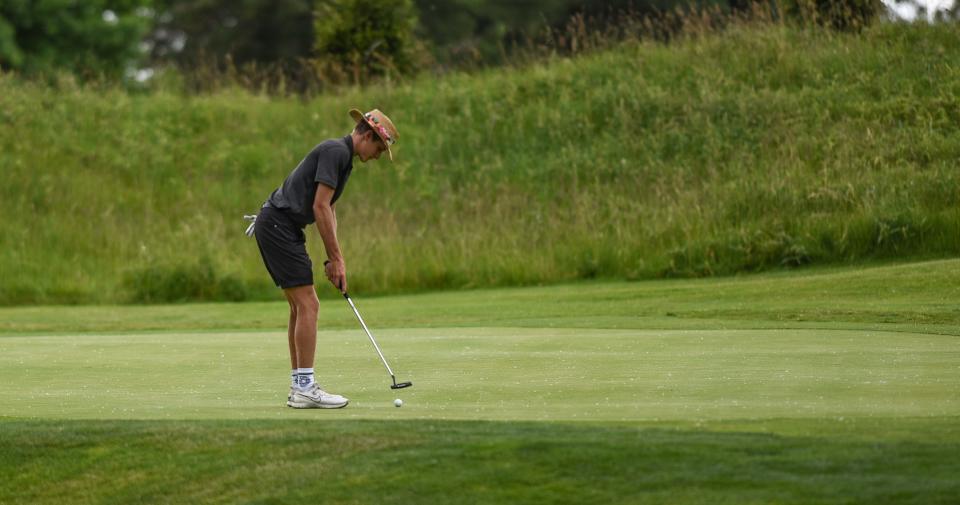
(407, 462)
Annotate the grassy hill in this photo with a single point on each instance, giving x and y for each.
(759, 148)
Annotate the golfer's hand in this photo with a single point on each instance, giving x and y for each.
(337, 274)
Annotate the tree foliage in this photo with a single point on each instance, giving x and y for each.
(199, 32)
(843, 15)
(92, 38)
(367, 36)
(330, 41)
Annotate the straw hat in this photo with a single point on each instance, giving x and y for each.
(381, 124)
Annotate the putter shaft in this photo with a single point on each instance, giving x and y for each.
(372, 340)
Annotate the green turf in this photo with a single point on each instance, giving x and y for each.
(913, 296)
(492, 374)
(477, 462)
(823, 386)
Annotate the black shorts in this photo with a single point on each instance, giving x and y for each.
(283, 247)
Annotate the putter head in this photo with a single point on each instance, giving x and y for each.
(401, 385)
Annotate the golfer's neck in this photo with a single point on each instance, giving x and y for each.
(355, 138)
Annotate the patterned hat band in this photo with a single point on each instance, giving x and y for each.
(375, 123)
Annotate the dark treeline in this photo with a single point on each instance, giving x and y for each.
(304, 45)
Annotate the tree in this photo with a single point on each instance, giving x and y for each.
(202, 32)
(92, 38)
(475, 31)
(371, 37)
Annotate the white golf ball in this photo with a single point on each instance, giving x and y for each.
(398, 403)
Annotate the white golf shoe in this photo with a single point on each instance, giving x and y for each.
(315, 398)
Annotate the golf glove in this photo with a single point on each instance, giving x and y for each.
(253, 221)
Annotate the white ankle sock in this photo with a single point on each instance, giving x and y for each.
(304, 378)
(293, 378)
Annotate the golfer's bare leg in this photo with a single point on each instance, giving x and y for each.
(291, 327)
(303, 319)
(306, 304)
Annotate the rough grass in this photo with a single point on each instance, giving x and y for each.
(764, 147)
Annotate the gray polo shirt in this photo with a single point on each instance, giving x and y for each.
(330, 164)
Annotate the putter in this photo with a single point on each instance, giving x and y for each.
(375, 346)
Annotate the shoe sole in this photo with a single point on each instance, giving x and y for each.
(311, 405)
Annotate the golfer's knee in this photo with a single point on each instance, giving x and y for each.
(306, 305)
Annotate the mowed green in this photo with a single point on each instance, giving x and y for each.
(491, 374)
(821, 386)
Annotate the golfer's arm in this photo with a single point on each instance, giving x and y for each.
(334, 209)
(326, 220)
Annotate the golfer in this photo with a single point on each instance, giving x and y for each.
(309, 195)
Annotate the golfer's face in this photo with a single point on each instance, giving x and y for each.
(375, 147)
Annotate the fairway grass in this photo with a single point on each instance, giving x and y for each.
(470, 462)
(491, 374)
(823, 386)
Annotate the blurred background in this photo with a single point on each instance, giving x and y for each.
(542, 141)
(304, 45)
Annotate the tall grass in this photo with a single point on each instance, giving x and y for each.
(763, 147)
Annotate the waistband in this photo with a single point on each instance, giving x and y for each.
(281, 215)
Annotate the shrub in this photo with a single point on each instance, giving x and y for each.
(367, 37)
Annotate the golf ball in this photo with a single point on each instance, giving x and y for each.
(398, 403)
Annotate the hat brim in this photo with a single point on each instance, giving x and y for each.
(358, 116)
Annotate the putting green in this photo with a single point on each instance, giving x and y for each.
(490, 374)
(822, 386)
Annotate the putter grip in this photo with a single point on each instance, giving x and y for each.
(345, 295)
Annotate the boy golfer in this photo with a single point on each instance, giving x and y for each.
(309, 195)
